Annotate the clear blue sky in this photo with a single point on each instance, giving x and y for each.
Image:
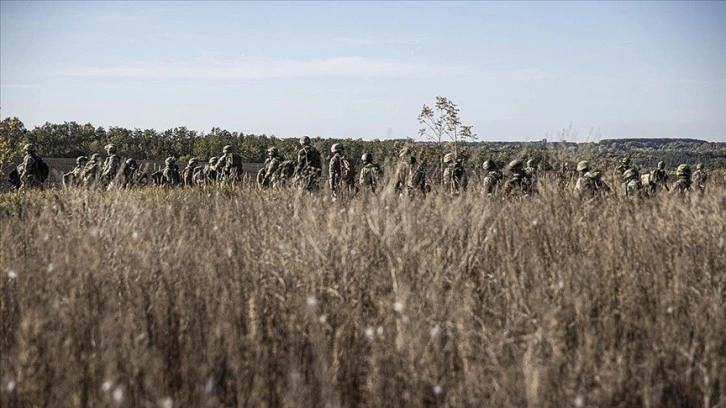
(518, 70)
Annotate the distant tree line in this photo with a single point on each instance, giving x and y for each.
(71, 139)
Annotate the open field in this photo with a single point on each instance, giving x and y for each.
(239, 297)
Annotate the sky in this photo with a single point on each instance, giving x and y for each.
(518, 71)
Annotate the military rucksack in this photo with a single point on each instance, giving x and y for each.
(43, 170)
(234, 160)
(347, 170)
(313, 156)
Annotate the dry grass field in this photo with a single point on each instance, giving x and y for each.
(239, 297)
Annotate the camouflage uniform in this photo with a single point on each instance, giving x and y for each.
(209, 172)
(455, 178)
(518, 182)
(683, 183)
(492, 178)
(341, 173)
(589, 184)
(410, 177)
(632, 186)
(370, 174)
(29, 171)
(267, 176)
(170, 173)
(111, 165)
(131, 175)
(74, 177)
(229, 166)
(623, 166)
(659, 178)
(309, 166)
(699, 178)
(191, 173)
(92, 171)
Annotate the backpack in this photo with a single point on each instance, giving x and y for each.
(43, 170)
(347, 170)
(313, 156)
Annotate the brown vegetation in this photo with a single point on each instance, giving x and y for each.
(215, 297)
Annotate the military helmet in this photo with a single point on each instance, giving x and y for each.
(531, 163)
(81, 159)
(305, 140)
(227, 149)
(661, 165)
(630, 174)
(449, 158)
(336, 147)
(583, 166)
(95, 157)
(404, 152)
(29, 147)
(193, 160)
(625, 160)
(366, 158)
(489, 165)
(515, 164)
(111, 148)
(170, 160)
(683, 170)
(272, 151)
(130, 161)
(213, 160)
(699, 166)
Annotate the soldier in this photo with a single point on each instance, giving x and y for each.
(309, 166)
(531, 168)
(111, 165)
(370, 174)
(410, 176)
(699, 178)
(208, 171)
(33, 171)
(131, 175)
(455, 179)
(191, 173)
(341, 172)
(659, 178)
(92, 170)
(267, 176)
(632, 186)
(683, 183)
(170, 173)
(518, 181)
(74, 177)
(589, 183)
(229, 166)
(492, 178)
(623, 166)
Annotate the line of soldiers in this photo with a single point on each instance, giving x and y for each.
(343, 178)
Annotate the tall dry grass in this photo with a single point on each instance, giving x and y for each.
(246, 298)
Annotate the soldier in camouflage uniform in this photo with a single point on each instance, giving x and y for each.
(370, 174)
(518, 182)
(191, 173)
(131, 175)
(208, 171)
(589, 183)
(92, 171)
(410, 176)
(659, 178)
(455, 178)
(623, 166)
(683, 183)
(229, 166)
(699, 178)
(309, 166)
(632, 186)
(492, 178)
(267, 176)
(341, 172)
(74, 177)
(170, 173)
(30, 171)
(111, 165)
